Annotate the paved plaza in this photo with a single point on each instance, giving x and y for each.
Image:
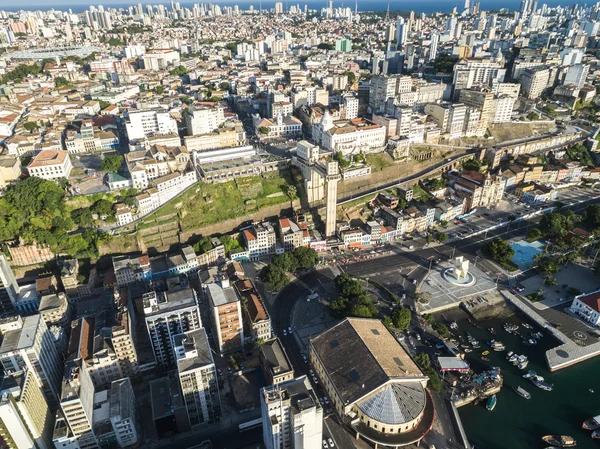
(446, 295)
(573, 276)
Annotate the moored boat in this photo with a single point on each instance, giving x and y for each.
(485, 352)
(491, 403)
(539, 382)
(485, 359)
(560, 440)
(592, 423)
(492, 331)
(596, 434)
(522, 392)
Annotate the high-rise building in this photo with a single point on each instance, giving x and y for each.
(433, 47)
(9, 289)
(74, 423)
(203, 120)
(168, 314)
(123, 415)
(147, 123)
(29, 346)
(292, 415)
(226, 316)
(25, 418)
(197, 377)
(401, 32)
(278, 8)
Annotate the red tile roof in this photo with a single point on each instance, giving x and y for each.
(592, 300)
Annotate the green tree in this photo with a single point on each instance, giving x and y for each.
(442, 237)
(203, 245)
(351, 76)
(111, 163)
(104, 104)
(60, 81)
(534, 234)
(30, 126)
(102, 207)
(401, 317)
(263, 130)
(401, 204)
(274, 277)
(387, 322)
(441, 329)
(592, 215)
(307, 257)
(325, 46)
(353, 300)
(224, 86)
(286, 261)
(127, 197)
(159, 90)
(179, 71)
(499, 250)
(230, 244)
(579, 152)
(429, 238)
(83, 217)
(532, 116)
(342, 161)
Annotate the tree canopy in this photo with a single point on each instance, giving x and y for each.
(401, 317)
(274, 277)
(499, 250)
(353, 299)
(34, 209)
(111, 163)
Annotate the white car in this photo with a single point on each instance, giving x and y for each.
(330, 441)
(284, 332)
(325, 444)
(290, 330)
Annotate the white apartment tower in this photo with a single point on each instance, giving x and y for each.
(9, 289)
(203, 120)
(25, 418)
(123, 416)
(292, 416)
(141, 124)
(168, 314)
(197, 377)
(29, 346)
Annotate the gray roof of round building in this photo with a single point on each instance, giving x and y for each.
(396, 403)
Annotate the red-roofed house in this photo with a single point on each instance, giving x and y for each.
(587, 306)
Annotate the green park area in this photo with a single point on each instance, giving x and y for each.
(206, 204)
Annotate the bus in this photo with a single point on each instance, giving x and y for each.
(250, 425)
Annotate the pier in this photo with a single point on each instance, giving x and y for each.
(564, 355)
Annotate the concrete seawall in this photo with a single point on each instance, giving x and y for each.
(564, 355)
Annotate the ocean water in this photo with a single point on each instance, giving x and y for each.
(426, 6)
(517, 423)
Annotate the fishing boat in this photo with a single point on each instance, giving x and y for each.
(491, 330)
(530, 342)
(522, 392)
(526, 325)
(539, 382)
(466, 345)
(522, 361)
(509, 355)
(560, 440)
(485, 359)
(485, 352)
(467, 350)
(529, 375)
(592, 423)
(491, 403)
(596, 434)
(498, 346)
(537, 335)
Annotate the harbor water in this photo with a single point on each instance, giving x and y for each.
(518, 423)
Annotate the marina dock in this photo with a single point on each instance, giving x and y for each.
(564, 355)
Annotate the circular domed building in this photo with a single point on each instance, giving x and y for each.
(374, 385)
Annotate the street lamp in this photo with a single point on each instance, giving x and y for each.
(475, 263)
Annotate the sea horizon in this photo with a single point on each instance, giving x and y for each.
(428, 7)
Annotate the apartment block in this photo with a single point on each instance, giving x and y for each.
(131, 269)
(9, 289)
(534, 82)
(29, 346)
(123, 414)
(274, 362)
(51, 165)
(204, 119)
(290, 234)
(167, 314)
(147, 123)
(26, 421)
(155, 162)
(292, 415)
(226, 314)
(261, 240)
(197, 377)
(256, 317)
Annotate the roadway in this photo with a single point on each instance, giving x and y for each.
(401, 272)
